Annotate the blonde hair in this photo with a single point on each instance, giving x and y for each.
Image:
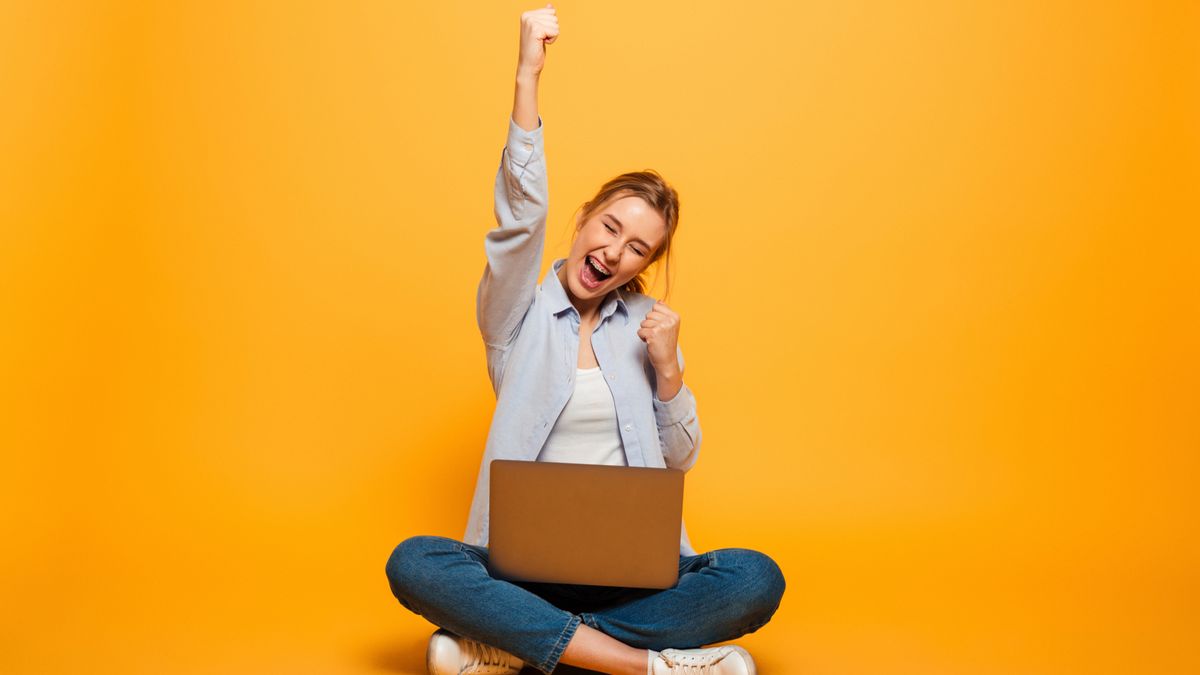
(656, 192)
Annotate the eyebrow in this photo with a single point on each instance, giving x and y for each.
(622, 225)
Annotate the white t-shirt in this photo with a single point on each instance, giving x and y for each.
(586, 430)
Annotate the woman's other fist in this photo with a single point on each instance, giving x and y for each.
(660, 332)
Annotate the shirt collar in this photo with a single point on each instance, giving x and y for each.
(559, 302)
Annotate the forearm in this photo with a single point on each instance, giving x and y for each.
(670, 381)
(525, 108)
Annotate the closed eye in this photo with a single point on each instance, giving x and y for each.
(635, 249)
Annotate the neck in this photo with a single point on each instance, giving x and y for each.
(589, 308)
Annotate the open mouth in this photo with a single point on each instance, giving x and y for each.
(592, 275)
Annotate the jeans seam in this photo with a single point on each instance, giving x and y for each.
(560, 646)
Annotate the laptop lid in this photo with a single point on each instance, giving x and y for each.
(587, 524)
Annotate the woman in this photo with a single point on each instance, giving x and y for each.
(586, 369)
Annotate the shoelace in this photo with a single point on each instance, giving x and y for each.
(483, 655)
(694, 664)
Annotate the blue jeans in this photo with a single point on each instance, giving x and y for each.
(721, 595)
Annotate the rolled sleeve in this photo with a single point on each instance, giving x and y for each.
(678, 429)
(522, 144)
(525, 171)
(675, 410)
(522, 189)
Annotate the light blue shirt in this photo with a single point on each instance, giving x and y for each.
(531, 335)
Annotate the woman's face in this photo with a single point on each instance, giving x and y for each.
(621, 238)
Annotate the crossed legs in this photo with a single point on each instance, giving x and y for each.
(721, 595)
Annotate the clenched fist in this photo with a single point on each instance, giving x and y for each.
(539, 27)
(660, 332)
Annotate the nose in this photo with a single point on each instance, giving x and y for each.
(612, 255)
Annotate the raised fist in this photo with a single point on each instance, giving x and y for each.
(539, 27)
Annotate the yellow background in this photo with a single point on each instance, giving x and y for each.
(937, 270)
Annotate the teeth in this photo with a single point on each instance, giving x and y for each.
(596, 266)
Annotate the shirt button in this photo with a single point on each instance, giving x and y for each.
(628, 427)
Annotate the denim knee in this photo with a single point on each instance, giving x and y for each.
(406, 569)
(764, 583)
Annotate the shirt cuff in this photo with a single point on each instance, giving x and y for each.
(523, 144)
(676, 410)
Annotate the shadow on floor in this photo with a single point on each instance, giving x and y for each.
(407, 657)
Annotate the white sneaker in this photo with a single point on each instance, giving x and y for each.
(723, 660)
(451, 654)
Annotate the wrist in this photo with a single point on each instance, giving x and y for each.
(668, 386)
(527, 75)
(669, 370)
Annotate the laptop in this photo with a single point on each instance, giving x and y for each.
(590, 524)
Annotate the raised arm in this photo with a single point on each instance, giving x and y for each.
(514, 246)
